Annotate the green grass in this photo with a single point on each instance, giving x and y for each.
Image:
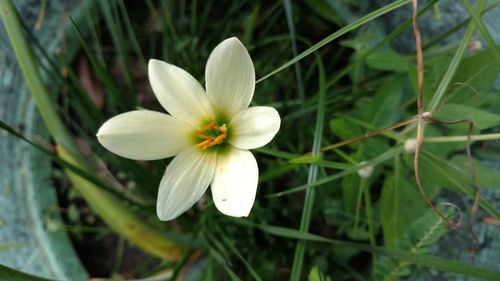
(331, 80)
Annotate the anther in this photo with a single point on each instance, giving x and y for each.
(209, 141)
(208, 126)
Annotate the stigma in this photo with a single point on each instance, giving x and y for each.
(211, 134)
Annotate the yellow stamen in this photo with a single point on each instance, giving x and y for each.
(208, 126)
(210, 141)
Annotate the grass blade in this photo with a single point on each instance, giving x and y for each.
(371, 16)
(445, 81)
(418, 259)
(313, 172)
(116, 214)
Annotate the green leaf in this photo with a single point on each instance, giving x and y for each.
(352, 26)
(387, 60)
(324, 10)
(419, 259)
(305, 220)
(453, 66)
(112, 210)
(400, 203)
(307, 159)
(316, 275)
(483, 29)
(482, 119)
(420, 236)
(427, 230)
(382, 109)
(487, 177)
(443, 176)
(478, 72)
(351, 191)
(345, 130)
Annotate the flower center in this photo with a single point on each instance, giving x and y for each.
(211, 134)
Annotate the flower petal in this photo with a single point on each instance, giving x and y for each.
(230, 77)
(254, 127)
(144, 135)
(178, 92)
(235, 182)
(186, 179)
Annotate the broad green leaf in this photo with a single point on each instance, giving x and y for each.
(482, 119)
(487, 176)
(419, 237)
(400, 203)
(388, 60)
(345, 130)
(478, 72)
(426, 230)
(440, 175)
(383, 108)
(351, 191)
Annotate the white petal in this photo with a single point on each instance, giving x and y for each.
(144, 135)
(178, 92)
(230, 77)
(235, 182)
(254, 127)
(186, 179)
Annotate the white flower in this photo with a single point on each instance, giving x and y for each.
(209, 133)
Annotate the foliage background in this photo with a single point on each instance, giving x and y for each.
(349, 85)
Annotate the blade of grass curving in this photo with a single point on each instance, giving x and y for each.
(387, 39)
(455, 61)
(109, 11)
(132, 36)
(108, 82)
(237, 253)
(86, 110)
(313, 172)
(482, 28)
(291, 29)
(83, 105)
(361, 21)
(438, 165)
(455, 28)
(277, 171)
(218, 252)
(30, 71)
(79, 171)
(92, 17)
(373, 162)
(117, 215)
(418, 259)
(192, 17)
(296, 159)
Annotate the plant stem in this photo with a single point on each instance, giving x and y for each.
(462, 138)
